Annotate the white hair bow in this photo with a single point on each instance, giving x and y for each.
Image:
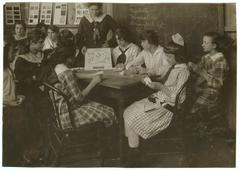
(178, 39)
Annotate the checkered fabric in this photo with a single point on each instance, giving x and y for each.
(84, 111)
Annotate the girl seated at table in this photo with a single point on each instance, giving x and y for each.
(152, 56)
(126, 51)
(152, 115)
(84, 111)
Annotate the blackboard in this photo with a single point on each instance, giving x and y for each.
(190, 20)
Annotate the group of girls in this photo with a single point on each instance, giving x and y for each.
(49, 54)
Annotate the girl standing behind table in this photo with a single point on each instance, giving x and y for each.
(96, 29)
(152, 56)
(126, 51)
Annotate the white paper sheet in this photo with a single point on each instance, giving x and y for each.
(46, 13)
(33, 13)
(60, 14)
(98, 59)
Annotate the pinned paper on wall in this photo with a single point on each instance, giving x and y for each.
(60, 14)
(46, 13)
(12, 13)
(98, 59)
(81, 10)
(33, 13)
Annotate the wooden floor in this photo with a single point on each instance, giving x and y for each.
(220, 153)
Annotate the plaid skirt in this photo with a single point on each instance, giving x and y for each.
(147, 124)
(207, 100)
(89, 112)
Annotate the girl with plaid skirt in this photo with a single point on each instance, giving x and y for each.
(206, 115)
(84, 111)
(147, 117)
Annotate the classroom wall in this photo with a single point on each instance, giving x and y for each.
(70, 16)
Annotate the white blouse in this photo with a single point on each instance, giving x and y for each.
(157, 62)
(131, 53)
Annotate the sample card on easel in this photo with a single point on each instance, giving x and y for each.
(33, 13)
(12, 13)
(98, 59)
(46, 13)
(60, 14)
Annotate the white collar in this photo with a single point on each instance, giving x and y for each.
(128, 46)
(19, 38)
(60, 68)
(158, 50)
(181, 66)
(215, 56)
(96, 19)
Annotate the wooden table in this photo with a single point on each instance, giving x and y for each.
(123, 90)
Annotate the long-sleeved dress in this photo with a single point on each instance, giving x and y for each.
(84, 111)
(26, 67)
(208, 94)
(93, 34)
(147, 123)
(155, 63)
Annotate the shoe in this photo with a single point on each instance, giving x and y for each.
(134, 158)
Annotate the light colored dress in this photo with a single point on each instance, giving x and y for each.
(156, 63)
(8, 86)
(49, 44)
(131, 52)
(149, 123)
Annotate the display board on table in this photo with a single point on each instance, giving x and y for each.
(98, 59)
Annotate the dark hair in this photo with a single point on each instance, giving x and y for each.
(123, 33)
(66, 39)
(35, 35)
(20, 23)
(100, 5)
(151, 36)
(54, 28)
(217, 39)
(178, 51)
(40, 25)
(61, 54)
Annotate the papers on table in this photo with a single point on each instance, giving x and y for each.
(98, 59)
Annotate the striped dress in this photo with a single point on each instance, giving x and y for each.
(149, 123)
(84, 111)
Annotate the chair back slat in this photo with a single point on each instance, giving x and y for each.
(54, 90)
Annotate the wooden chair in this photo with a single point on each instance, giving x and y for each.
(77, 146)
(167, 146)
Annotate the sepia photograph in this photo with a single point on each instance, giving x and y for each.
(119, 84)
